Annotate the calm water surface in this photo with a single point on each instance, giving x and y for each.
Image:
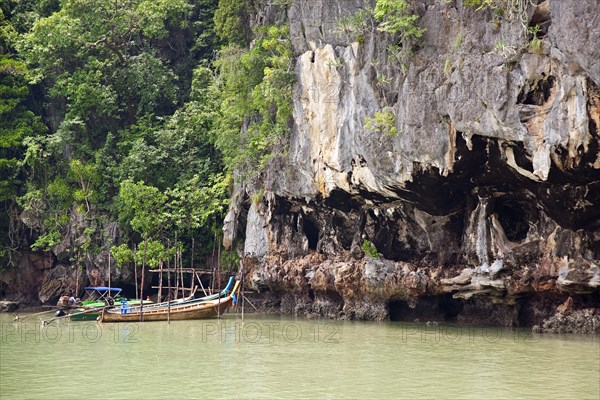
(283, 358)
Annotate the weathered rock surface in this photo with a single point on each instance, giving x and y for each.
(585, 321)
(8, 306)
(486, 204)
(44, 277)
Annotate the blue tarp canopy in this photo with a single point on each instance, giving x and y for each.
(103, 288)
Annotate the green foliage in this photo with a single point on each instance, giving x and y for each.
(84, 175)
(16, 124)
(457, 42)
(504, 49)
(46, 241)
(138, 126)
(230, 260)
(122, 255)
(535, 44)
(48, 211)
(369, 249)
(231, 21)
(151, 253)
(510, 10)
(258, 196)
(384, 122)
(256, 90)
(198, 203)
(357, 25)
(144, 205)
(391, 16)
(448, 67)
(395, 17)
(480, 4)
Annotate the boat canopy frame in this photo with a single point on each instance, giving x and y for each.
(103, 291)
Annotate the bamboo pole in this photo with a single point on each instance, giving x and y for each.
(142, 285)
(181, 271)
(175, 266)
(77, 280)
(169, 303)
(219, 277)
(135, 269)
(169, 284)
(19, 318)
(201, 285)
(192, 265)
(160, 279)
(242, 287)
(46, 322)
(249, 302)
(109, 273)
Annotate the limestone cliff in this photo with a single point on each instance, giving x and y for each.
(484, 206)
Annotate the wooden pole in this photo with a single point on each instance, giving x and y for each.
(219, 277)
(169, 284)
(175, 266)
(18, 318)
(181, 270)
(109, 273)
(201, 285)
(160, 279)
(193, 273)
(242, 287)
(77, 280)
(77, 273)
(135, 269)
(142, 285)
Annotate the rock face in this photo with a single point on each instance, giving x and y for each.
(485, 206)
(8, 306)
(45, 277)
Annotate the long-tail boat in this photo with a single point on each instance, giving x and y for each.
(187, 310)
(126, 308)
(96, 297)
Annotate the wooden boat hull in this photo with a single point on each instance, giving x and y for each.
(92, 316)
(196, 311)
(79, 314)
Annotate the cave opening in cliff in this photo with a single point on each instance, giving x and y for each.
(539, 93)
(430, 308)
(312, 233)
(129, 290)
(514, 217)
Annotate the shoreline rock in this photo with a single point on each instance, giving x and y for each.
(8, 306)
(584, 321)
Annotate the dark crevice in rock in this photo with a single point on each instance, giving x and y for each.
(432, 308)
(539, 94)
(541, 17)
(342, 200)
(345, 230)
(481, 310)
(515, 217)
(311, 293)
(312, 233)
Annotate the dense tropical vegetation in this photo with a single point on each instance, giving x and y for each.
(132, 111)
(140, 112)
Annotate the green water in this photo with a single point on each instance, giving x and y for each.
(272, 357)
